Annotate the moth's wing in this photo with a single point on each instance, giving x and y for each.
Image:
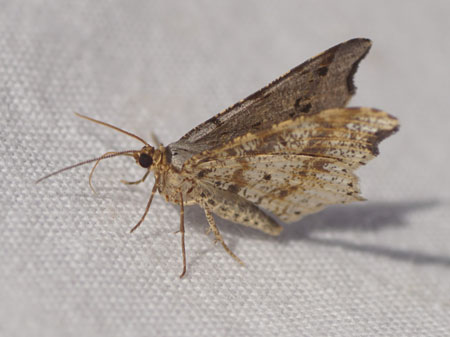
(290, 186)
(323, 82)
(298, 166)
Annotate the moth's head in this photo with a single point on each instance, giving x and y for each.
(148, 157)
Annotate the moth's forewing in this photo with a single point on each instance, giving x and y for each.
(298, 166)
(323, 82)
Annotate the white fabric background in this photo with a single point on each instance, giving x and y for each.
(68, 265)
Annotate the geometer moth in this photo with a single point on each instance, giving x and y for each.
(290, 149)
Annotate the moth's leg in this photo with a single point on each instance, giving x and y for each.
(183, 250)
(213, 228)
(155, 187)
(233, 207)
(137, 181)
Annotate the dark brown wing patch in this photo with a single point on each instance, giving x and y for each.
(323, 82)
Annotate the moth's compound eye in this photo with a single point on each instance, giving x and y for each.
(145, 160)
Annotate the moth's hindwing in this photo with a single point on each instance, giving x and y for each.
(298, 166)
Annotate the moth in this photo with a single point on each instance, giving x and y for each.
(288, 150)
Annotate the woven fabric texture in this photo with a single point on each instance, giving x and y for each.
(68, 265)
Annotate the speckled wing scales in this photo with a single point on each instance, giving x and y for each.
(298, 166)
(289, 186)
(323, 82)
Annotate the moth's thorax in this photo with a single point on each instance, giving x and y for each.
(170, 180)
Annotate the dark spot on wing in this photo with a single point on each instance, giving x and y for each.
(211, 202)
(303, 104)
(215, 121)
(233, 188)
(267, 177)
(202, 173)
(322, 71)
(305, 108)
(283, 193)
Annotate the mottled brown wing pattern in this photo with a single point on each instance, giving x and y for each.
(298, 166)
(323, 82)
(287, 185)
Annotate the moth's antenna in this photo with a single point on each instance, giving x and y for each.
(110, 155)
(112, 127)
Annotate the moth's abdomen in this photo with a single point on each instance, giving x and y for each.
(233, 207)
